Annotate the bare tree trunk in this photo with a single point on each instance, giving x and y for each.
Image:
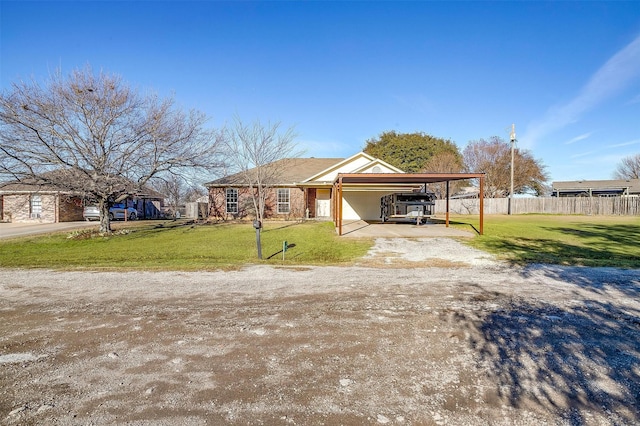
(105, 222)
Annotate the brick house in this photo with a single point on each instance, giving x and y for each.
(28, 203)
(23, 202)
(304, 189)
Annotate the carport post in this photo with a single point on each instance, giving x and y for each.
(481, 195)
(340, 206)
(447, 216)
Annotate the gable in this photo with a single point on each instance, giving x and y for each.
(358, 163)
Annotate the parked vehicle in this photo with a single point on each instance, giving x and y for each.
(91, 213)
(409, 206)
(117, 211)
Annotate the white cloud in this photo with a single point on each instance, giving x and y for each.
(578, 138)
(618, 145)
(610, 79)
(583, 154)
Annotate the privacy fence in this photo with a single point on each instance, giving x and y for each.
(548, 205)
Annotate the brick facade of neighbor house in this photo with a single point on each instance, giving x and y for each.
(45, 203)
(70, 209)
(53, 208)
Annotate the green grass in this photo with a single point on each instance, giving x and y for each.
(565, 240)
(520, 239)
(175, 246)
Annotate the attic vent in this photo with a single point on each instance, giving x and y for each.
(376, 169)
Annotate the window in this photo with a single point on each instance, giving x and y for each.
(232, 200)
(36, 206)
(284, 205)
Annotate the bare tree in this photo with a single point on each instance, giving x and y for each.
(259, 153)
(493, 157)
(444, 162)
(628, 168)
(178, 190)
(92, 134)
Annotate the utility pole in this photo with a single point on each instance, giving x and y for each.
(512, 138)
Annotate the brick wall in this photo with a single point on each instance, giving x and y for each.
(217, 205)
(17, 208)
(70, 209)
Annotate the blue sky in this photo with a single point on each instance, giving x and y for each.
(566, 73)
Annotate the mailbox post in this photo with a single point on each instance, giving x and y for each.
(258, 225)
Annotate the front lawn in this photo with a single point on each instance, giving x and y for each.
(566, 240)
(520, 239)
(183, 246)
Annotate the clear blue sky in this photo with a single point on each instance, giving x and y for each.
(566, 73)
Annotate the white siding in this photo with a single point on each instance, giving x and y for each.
(363, 205)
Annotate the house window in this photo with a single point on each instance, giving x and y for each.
(284, 205)
(36, 206)
(232, 200)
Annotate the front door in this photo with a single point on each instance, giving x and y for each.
(323, 203)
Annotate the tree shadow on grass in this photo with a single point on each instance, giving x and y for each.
(589, 245)
(575, 362)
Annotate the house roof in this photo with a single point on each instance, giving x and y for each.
(33, 185)
(616, 185)
(293, 170)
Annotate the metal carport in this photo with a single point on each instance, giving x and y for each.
(363, 180)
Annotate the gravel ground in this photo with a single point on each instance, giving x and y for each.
(424, 331)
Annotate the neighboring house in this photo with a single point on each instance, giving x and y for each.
(30, 203)
(596, 188)
(23, 202)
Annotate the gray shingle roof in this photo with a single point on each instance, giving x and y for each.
(597, 185)
(294, 170)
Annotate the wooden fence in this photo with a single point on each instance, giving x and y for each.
(548, 205)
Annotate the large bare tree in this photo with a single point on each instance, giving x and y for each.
(444, 162)
(259, 153)
(493, 157)
(628, 168)
(92, 134)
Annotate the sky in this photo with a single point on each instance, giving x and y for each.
(566, 73)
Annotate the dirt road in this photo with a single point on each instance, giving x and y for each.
(408, 343)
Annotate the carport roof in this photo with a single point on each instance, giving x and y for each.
(403, 178)
(362, 180)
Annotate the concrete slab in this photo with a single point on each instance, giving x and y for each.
(361, 228)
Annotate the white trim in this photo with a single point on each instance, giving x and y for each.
(340, 165)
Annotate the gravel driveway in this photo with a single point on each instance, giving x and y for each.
(424, 332)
